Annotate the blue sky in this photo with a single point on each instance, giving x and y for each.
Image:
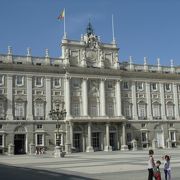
(148, 28)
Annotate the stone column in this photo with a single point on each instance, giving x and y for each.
(85, 97)
(68, 141)
(9, 97)
(29, 98)
(67, 97)
(163, 108)
(118, 98)
(48, 96)
(176, 104)
(102, 98)
(107, 147)
(148, 97)
(123, 145)
(134, 101)
(89, 147)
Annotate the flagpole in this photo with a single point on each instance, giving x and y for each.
(113, 29)
(64, 23)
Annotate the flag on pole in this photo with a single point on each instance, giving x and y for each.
(62, 15)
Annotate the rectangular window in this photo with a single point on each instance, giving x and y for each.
(93, 109)
(1, 79)
(125, 85)
(1, 140)
(154, 86)
(172, 136)
(40, 139)
(38, 81)
(110, 109)
(76, 109)
(156, 110)
(139, 85)
(58, 138)
(127, 110)
(76, 83)
(168, 87)
(19, 109)
(109, 85)
(39, 109)
(1, 126)
(170, 110)
(19, 80)
(39, 126)
(144, 136)
(1, 108)
(142, 110)
(57, 82)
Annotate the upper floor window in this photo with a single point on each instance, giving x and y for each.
(154, 86)
(168, 87)
(39, 81)
(127, 110)
(1, 80)
(125, 85)
(75, 83)
(19, 80)
(110, 109)
(75, 109)
(143, 125)
(57, 82)
(19, 109)
(39, 109)
(170, 110)
(2, 110)
(142, 110)
(140, 86)
(156, 110)
(93, 109)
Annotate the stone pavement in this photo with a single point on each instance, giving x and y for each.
(128, 165)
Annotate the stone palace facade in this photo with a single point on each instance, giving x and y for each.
(110, 105)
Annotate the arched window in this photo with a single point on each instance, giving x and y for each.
(127, 110)
(142, 110)
(170, 110)
(156, 110)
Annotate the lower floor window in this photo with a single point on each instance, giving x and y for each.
(172, 136)
(144, 136)
(1, 140)
(40, 140)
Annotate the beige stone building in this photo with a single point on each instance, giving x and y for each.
(110, 105)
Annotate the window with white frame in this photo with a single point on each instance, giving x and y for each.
(142, 110)
(39, 109)
(39, 139)
(140, 86)
(125, 85)
(156, 110)
(168, 87)
(172, 136)
(144, 136)
(19, 109)
(2, 110)
(127, 109)
(1, 140)
(93, 109)
(154, 86)
(170, 110)
(39, 81)
(57, 82)
(110, 109)
(76, 108)
(1, 80)
(19, 80)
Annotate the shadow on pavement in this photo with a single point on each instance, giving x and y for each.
(18, 173)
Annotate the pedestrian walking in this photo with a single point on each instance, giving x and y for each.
(151, 164)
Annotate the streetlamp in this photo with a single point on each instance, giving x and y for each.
(57, 114)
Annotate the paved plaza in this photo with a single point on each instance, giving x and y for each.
(129, 165)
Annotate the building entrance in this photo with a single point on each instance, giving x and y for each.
(77, 142)
(19, 144)
(96, 141)
(112, 141)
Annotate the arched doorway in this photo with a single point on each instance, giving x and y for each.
(20, 140)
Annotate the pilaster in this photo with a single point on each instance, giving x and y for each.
(176, 104)
(148, 97)
(118, 98)
(134, 101)
(102, 98)
(29, 98)
(48, 96)
(85, 97)
(163, 109)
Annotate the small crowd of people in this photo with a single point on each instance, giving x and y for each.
(154, 167)
(40, 150)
